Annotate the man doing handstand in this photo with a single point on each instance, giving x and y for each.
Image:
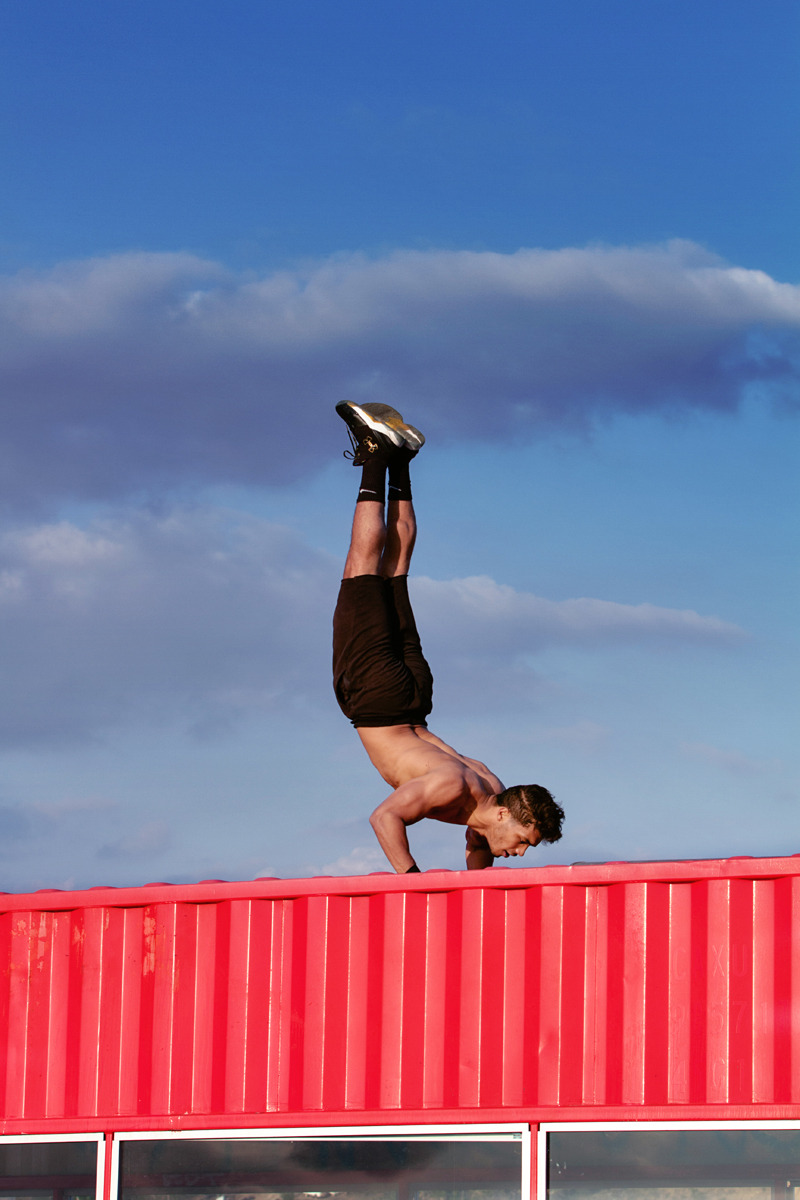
(384, 685)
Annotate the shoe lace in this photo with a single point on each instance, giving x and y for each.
(350, 454)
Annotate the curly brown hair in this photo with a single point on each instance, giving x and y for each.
(531, 804)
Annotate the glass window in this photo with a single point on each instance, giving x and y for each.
(311, 1169)
(48, 1170)
(674, 1164)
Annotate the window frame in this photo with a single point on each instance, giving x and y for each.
(36, 1139)
(513, 1132)
(548, 1127)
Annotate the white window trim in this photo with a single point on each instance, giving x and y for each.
(350, 1133)
(631, 1126)
(35, 1139)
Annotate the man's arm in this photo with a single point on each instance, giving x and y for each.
(424, 797)
(478, 853)
(390, 830)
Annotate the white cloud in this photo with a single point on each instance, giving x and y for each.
(490, 618)
(203, 618)
(484, 639)
(193, 616)
(162, 369)
(67, 807)
(361, 860)
(65, 545)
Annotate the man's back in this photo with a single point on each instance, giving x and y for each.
(401, 753)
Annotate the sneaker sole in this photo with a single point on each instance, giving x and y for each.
(382, 419)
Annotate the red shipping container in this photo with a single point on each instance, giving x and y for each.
(649, 991)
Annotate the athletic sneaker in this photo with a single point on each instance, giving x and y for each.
(377, 427)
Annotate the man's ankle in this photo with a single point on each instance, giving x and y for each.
(373, 479)
(400, 476)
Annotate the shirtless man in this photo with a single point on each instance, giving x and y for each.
(384, 685)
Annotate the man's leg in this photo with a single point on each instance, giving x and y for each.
(367, 540)
(381, 440)
(373, 623)
(401, 533)
(381, 544)
(378, 677)
(400, 538)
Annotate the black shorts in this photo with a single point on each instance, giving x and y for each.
(380, 675)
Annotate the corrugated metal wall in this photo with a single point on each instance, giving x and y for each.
(563, 987)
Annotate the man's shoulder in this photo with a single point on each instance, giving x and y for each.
(489, 782)
(452, 774)
(450, 783)
(462, 784)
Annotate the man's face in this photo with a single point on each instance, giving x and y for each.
(508, 838)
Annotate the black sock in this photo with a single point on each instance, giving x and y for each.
(399, 477)
(373, 479)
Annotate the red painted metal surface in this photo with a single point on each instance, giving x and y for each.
(645, 990)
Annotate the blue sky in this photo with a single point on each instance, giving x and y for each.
(563, 241)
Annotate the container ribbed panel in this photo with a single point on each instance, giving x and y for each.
(649, 985)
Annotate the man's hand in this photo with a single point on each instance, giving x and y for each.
(478, 853)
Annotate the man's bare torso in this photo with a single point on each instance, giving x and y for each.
(404, 752)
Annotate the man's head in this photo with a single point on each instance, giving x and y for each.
(529, 804)
(518, 818)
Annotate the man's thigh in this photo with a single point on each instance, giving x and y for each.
(373, 684)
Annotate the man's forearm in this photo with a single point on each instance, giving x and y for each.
(478, 858)
(390, 830)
